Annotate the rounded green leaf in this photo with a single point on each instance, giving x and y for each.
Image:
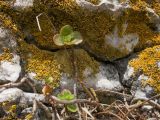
(66, 39)
(72, 108)
(66, 95)
(66, 30)
(77, 41)
(77, 38)
(57, 40)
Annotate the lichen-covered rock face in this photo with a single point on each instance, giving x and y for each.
(147, 62)
(125, 27)
(39, 62)
(10, 68)
(42, 65)
(143, 72)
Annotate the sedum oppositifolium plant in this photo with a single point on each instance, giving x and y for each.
(67, 37)
(67, 95)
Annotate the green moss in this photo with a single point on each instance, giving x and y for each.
(147, 61)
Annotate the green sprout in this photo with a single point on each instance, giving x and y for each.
(67, 95)
(67, 37)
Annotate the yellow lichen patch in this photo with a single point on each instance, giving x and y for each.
(81, 58)
(138, 5)
(142, 4)
(40, 62)
(7, 22)
(6, 55)
(156, 7)
(96, 2)
(147, 61)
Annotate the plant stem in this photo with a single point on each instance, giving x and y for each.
(75, 73)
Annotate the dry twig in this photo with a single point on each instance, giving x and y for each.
(57, 100)
(11, 84)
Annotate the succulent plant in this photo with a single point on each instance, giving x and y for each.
(67, 37)
(67, 95)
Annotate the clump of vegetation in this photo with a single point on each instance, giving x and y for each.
(67, 95)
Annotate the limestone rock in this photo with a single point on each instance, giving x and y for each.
(10, 68)
(23, 3)
(122, 31)
(143, 73)
(18, 96)
(106, 78)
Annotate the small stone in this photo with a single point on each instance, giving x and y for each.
(23, 3)
(10, 70)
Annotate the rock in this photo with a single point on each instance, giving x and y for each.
(121, 32)
(90, 71)
(143, 73)
(106, 78)
(42, 65)
(7, 39)
(10, 70)
(19, 97)
(22, 4)
(113, 5)
(27, 110)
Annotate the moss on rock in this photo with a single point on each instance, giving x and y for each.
(147, 61)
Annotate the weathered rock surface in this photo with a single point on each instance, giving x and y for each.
(106, 78)
(18, 96)
(10, 68)
(121, 32)
(143, 73)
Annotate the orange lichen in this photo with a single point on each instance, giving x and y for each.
(147, 61)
